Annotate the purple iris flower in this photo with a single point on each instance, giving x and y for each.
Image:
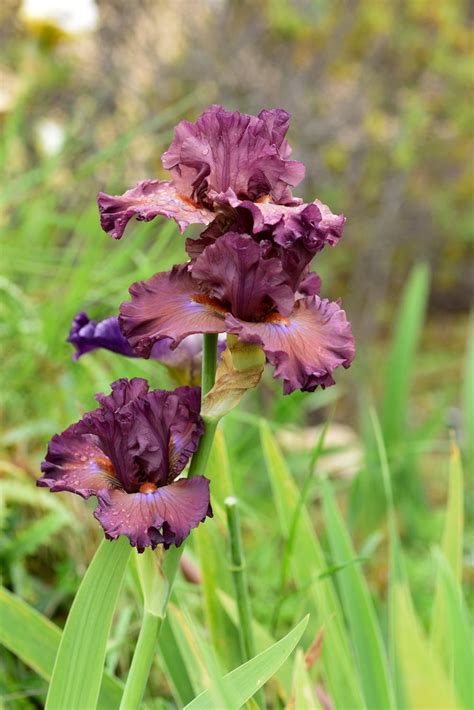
(184, 362)
(128, 453)
(87, 335)
(224, 158)
(234, 286)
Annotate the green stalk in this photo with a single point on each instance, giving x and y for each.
(141, 663)
(157, 587)
(238, 569)
(209, 363)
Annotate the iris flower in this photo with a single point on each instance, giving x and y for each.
(232, 172)
(128, 453)
(227, 167)
(224, 155)
(235, 287)
(183, 362)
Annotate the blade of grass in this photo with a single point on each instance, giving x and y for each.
(35, 640)
(320, 596)
(173, 661)
(79, 664)
(211, 548)
(263, 639)
(452, 543)
(424, 680)
(397, 567)
(359, 610)
(290, 540)
(449, 628)
(401, 357)
(469, 398)
(27, 541)
(189, 649)
(456, 649)
(303, 696)
(243, 682)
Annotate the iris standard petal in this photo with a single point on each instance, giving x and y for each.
(306, 347)
(145, 201)
(123, 391)
(75, 462)
(165, 432)
(156, 515)
(169, 305)
(228, 149)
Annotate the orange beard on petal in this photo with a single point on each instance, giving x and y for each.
(277, 318)
(210, 302)
(147, 487)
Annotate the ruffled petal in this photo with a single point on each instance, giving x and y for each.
(165, 515)
(169, 305)
(234, 272)
(313, 223)
(310, 284)
(145, 201)
(87, 335)
(123, 392)
(294, 232)
(306, 347)
(227, 149)
(75, 462)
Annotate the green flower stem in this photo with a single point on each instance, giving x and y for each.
(209, 363)
(238, 570)
(141, 663)
(240, 579)
(200, 458)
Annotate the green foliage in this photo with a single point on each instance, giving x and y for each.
(192, 664)
(307, 562)
(364, 627)
(35, 639)
(399, 371)
(244, 681)
(79, 664)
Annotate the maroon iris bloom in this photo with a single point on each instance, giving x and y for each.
(235, 287)
(222, 159)
(128, 453)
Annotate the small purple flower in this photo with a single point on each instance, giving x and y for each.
(184, 361)
(224, 157)
(128, 453)
(235, 287)
(87, 335)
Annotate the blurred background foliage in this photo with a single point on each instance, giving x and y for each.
(380, 95)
